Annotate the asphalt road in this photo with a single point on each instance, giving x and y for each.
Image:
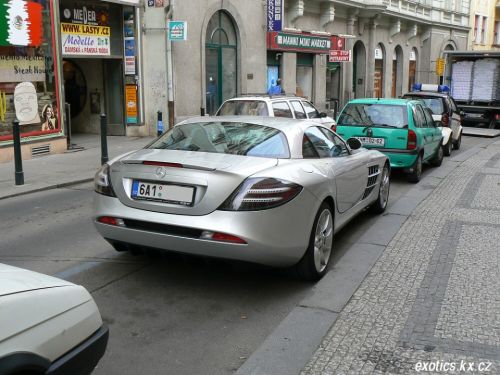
(168, 314)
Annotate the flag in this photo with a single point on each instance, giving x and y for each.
(20, 23)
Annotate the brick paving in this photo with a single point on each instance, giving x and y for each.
(431, 303)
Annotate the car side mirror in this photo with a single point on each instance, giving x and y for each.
(354, 143)
(322, 115)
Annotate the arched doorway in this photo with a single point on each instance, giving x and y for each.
(221, 60)
(397, 72)
(378, 84)
(442, 79)
(412, 68)
(359, 69)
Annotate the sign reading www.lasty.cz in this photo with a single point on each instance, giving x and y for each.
(85, 39)
(85, 30)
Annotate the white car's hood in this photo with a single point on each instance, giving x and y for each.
(17, 280)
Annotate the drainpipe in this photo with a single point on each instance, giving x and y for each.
(170, 75)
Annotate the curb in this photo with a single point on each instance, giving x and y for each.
(49, 187)
(288, 349)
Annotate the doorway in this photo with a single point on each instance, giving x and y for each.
(220, 61)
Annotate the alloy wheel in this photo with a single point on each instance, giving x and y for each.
(323, 238)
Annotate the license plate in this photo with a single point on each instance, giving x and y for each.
(371, 141)
(474, 115)
(176, 194)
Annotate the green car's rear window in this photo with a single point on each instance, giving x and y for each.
(379, 115)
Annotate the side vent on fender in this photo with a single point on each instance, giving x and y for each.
(373, 172)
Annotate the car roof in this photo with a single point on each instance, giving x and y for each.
(265, 97)
(279, 123)
(392, 101)
(428, 94)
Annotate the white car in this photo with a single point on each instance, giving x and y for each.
(47, 325)
(443, 109)
(282, 105)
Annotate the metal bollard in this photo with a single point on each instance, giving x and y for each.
(18, 160)
(159, 127)
(104, 140)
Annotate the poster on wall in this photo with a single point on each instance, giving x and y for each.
(131, 103)
(85, 31)
(22, 68)
(129, 45)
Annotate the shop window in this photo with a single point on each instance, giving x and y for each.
(28, 80)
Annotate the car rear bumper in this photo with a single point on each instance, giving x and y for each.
(399, 158)
(275, 237)
(82, 359)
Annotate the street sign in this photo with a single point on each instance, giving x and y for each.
(440, 66)
(340, 55)
(177, 30)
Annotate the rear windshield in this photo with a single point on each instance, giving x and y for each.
(236, 138)
(378, 115)
(436, 105)
(243, 108)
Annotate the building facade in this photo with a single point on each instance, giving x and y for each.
(62, 64)
(116, 57)
(485, 25)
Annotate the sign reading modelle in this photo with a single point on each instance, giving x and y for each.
(302, 42)
(85, 31)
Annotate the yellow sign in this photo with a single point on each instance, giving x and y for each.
(79, 29)
(440, 66)
(131, 102)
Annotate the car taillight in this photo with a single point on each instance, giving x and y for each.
(497, 117)
(261, 193)
(117, 222)
(334, 128)
(445, 119)
(221, 237)
(102, 182)
(412, 140)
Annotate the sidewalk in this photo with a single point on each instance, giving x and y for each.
(430, 303)
(46, 172)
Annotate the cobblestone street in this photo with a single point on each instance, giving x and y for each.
(431, 302)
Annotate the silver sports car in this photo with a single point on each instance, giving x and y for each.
(265, 190)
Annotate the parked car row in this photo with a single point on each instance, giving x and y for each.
(269, 179)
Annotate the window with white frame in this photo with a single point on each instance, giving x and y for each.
(477, 22)
(483, 30)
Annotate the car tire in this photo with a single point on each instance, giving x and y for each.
(314, 263)
(380, 204)
(448, 147)
(437, 159)
(458, 142)
(417, 170)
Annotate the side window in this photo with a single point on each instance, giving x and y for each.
(310, 110)
(454, 107)
(323, 146)
(297, 109)
(281, 109)
(419, 117)
(428, 118)
(340, 148)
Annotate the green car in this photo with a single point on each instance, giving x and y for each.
(402, 129)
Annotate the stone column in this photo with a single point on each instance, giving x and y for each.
(289, 72)
(347, 68)
(319, 82)
(370, 58)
